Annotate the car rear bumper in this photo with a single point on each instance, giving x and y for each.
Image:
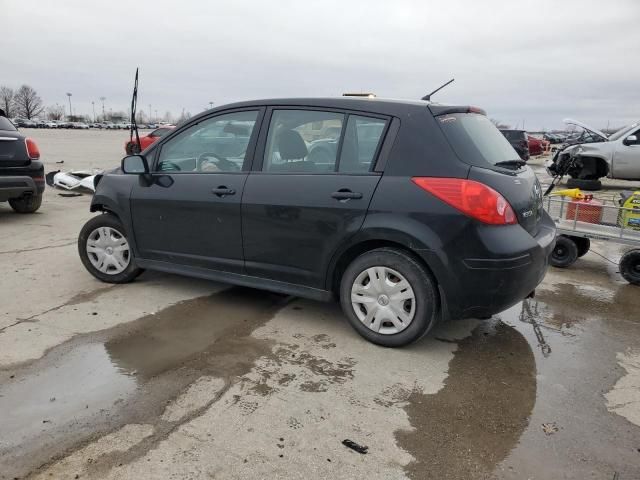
(483, 285)
(16, 182)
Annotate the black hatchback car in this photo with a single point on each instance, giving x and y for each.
(408, 212)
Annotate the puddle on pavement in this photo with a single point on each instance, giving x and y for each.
(98, 382)
(476, 419)
(573, 303)
(574, 337)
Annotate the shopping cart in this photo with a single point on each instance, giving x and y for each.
(580, 218)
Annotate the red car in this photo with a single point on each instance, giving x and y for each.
(145, 140)
(537, 146)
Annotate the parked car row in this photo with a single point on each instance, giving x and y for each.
(25, 123)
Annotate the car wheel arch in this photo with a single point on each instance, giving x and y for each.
(343, 258)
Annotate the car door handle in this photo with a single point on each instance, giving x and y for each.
(222, 191)
(346, 194)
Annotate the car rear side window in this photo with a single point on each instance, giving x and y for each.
(5, 124)
(361, 140)
(303, 141)
(475, 139)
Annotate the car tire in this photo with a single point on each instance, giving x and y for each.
(414, 312)
(28, 204)
(590, 185)
(583, 244)
(111, 257)
(630, 266)
(565, 252)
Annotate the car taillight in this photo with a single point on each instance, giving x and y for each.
(32, 149)
(472, 198)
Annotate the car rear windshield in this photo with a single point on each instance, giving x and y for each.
(475, 139)
(5, 124)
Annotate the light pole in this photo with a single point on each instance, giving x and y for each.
(93, 106)
(150, 113)
(70, 111)
(103, 99)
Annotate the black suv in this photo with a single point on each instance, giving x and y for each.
(518, 140)
(408, 212)
(21, 171)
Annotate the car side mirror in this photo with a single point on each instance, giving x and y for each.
(135, 164)
(631, 140)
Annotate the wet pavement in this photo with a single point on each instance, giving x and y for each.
(178, 378)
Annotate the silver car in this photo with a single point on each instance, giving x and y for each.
(616, 156)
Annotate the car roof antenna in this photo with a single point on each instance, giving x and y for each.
(427, 97)
(134, 125)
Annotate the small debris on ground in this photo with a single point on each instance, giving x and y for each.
(549, 428)
(363, 449)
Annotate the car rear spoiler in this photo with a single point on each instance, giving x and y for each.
(438, 110)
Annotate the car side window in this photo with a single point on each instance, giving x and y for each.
(360, 144)
(303, 141)
(217, 144)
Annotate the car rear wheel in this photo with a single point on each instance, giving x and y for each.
(565, 253)
(28, 204)
(105, 250)
(630, 266)
(584, 184)
(388, 297)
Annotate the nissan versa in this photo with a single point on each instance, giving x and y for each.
(407, 211)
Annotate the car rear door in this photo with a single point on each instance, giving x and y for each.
(309, 190)
(189, 213)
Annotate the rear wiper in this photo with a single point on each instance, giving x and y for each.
(511, 163)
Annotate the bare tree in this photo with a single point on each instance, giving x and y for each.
(55, 112)
(27, 103)
(6, 100)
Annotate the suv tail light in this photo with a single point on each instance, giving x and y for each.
(472, 198)
(32, 149)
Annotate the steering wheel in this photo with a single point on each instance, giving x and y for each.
(166, 166)
(225, 164)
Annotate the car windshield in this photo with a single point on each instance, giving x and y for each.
(622, 131)
(5, 124)
(476, 140)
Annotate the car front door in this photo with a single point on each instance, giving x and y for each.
(189, 212)
(309, 193)
(626, 157)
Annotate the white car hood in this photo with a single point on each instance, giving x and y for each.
(570, 121)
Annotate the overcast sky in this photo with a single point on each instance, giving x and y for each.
(537, 62)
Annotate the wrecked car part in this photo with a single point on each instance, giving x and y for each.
(79, 179)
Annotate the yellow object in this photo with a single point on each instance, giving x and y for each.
(630, 218)
(570, 192)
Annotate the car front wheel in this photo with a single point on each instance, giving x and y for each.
(388, 297)
(105, 250)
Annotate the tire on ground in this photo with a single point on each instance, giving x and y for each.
(423, 284)
(106, 220)
(583, 244)
(565, 253)
(630, 266)
(584, 184)
(28, 204)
